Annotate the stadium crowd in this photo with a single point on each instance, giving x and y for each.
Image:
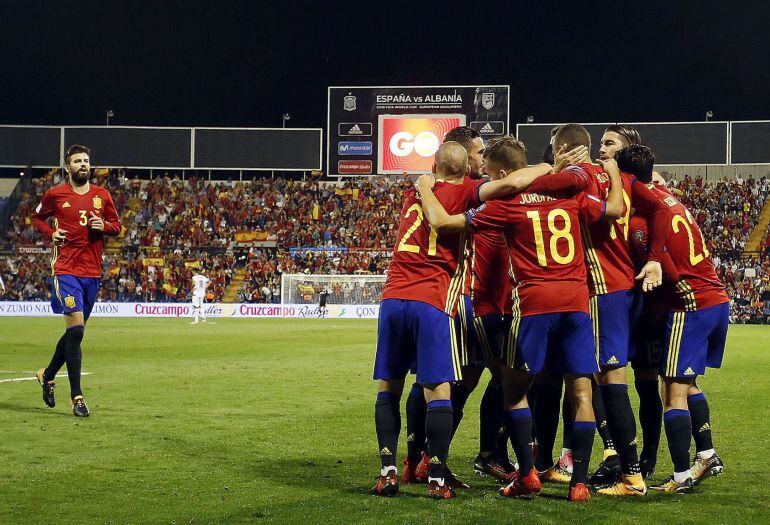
(174, 227)
(725, 210)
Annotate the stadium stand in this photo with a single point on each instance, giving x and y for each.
(245, 235)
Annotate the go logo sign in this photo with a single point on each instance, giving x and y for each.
(403, 143)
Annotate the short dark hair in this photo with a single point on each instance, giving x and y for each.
(507, 151)
(75, 149)
(638, 160)
(463, 135)
(548, 154)
(573, 135)
(629, 133)
(548, 150)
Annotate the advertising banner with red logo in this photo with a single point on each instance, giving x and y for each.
(407, 143)
(395, 129)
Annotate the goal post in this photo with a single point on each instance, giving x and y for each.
(342, 289)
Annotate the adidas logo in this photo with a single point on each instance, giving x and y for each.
(705, 427)
(435, 461)
(385, 452)
(689, 372)
(65, 205)
(613, 361)
(355, 130)
(487, 128)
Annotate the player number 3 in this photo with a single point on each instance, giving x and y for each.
(556, 234)
(83, 218)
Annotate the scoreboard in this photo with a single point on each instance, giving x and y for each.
(397, 129)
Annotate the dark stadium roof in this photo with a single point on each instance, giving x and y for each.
(245, 63)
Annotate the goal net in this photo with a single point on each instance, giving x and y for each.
(342, 289)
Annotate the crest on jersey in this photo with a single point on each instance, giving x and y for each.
(349, 103)
(69, 301)
(488, 100)
(97, 203)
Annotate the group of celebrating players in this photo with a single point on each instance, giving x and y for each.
(560, 273)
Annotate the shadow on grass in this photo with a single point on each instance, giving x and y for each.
(36, 410)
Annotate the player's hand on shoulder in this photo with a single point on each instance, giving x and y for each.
(425, 182)
(59, 236)
(96, 222)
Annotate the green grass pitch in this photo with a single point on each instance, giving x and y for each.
(271, 421)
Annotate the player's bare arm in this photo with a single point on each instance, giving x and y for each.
(435, 213)
(513, 182)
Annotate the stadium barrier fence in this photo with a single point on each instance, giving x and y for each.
(216, 310)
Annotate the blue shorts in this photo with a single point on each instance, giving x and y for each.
(694, 341)
(415, 332)
(564, 342)
(611, 315)
(489, 331)
(74, 294)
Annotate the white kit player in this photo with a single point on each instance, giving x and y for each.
(200, 283)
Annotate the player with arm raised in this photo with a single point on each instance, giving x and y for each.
(200, 284)
(642, 352)
(416, 322)
(550, 302)
(83, 214)
(695, 333)
(611, 282)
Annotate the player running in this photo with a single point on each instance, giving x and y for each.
(550, 324)
(695, 335)
(419, 301)
(200, 284)
(82, 213)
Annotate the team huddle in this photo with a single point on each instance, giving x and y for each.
(562, 273)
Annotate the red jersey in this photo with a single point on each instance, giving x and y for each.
(491, 283)
(698, 286)
(544, 247)
(425, 266)
(660, 300)
(610, 267)
(81, 253)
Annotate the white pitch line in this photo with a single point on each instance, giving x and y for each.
(33, 378)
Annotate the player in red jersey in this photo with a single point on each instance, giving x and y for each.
(695, 335)
(550, 303)
(419, 301)
(416, 464)
(642, 353)
(611, 281)
(83, 214)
